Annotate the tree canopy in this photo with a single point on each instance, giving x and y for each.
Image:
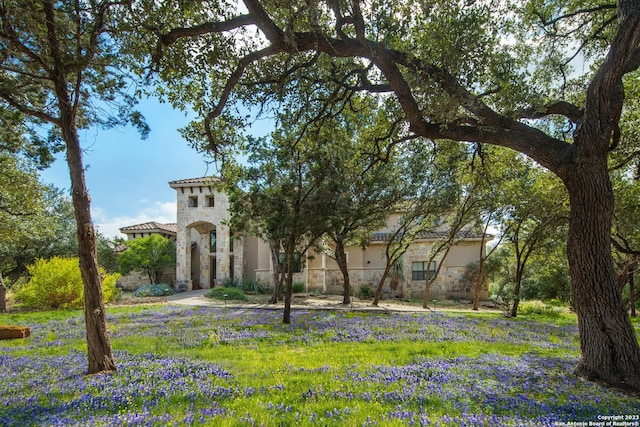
(151, 255)
(60, 71)
(498, 73)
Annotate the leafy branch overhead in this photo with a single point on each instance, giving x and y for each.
(546, 79)
(481, 99)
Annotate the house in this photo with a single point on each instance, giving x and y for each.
(207, 252)
(134, 280)
(149, 228)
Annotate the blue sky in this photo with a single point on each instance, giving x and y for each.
(128, 177)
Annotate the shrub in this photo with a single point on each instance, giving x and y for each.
(228, 282)
(297, 287)
(539, 307)
(156, 290)
(151, 255)
(57, 284)
(109, 290)
(254, 286)
(365, 291)
(226, 293)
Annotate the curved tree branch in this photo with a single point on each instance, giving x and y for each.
(584, 11)
(494, 128)
(230, 85)
(28, 111)
(206, 28)
(562, 108)
(605, 94)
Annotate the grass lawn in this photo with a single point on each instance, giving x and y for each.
(227, 367)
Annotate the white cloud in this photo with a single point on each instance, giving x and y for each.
(162, 212)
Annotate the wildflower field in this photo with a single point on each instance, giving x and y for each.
(232, 367)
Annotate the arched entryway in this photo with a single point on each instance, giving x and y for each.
(197, 257)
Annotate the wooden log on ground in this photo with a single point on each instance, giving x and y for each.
(13, 332)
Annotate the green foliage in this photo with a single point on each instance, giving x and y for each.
(154, 290)
(25, 218)
(22, 207)
(253, 286)
(541, 308)
(226, 293)
(296, 287)
(150, 254)
(365, 291)
(107, 257)
(52, 233)
(229, 282)
(57, 284)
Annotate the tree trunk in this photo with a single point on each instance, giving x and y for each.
(480, 277)
(610, 351)
(286, 314)
(277, 277)
(516, 290)
(378, 294)
(479, 284)
(427, 290)
(341, 260)
(98, 343)
(289, 258)
(3, 295)
(632, 296)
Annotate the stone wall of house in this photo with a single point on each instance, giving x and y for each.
(445, 282)
(450, 282)
(316, 282)
(134, 280)
(201, 210)
(265, 277)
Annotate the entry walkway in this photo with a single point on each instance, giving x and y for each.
(197, 298)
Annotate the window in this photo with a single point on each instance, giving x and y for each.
(231, 268)
(212, 241)
(210, 201)
(419, 270)
(297, 262)
(230, 241)
(193, 201)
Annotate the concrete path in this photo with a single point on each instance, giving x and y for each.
(197, 298)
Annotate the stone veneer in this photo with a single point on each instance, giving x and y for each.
(197, 217)
(448, 284)
(135, 280)
(201, 210)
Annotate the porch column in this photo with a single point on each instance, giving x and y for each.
(183, 259)
(205, 264)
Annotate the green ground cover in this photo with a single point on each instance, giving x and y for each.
(226, 367)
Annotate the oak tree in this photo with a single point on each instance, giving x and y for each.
(483, 72)
(60, 72)
(151, 255)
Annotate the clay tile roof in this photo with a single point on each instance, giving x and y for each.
(150, 226)
(205, 180)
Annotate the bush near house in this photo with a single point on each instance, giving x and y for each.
(149, 255)
(57, 284)
(158, 290)
(253, 286)
(296, 287)
(226, 293)
(365, 291)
